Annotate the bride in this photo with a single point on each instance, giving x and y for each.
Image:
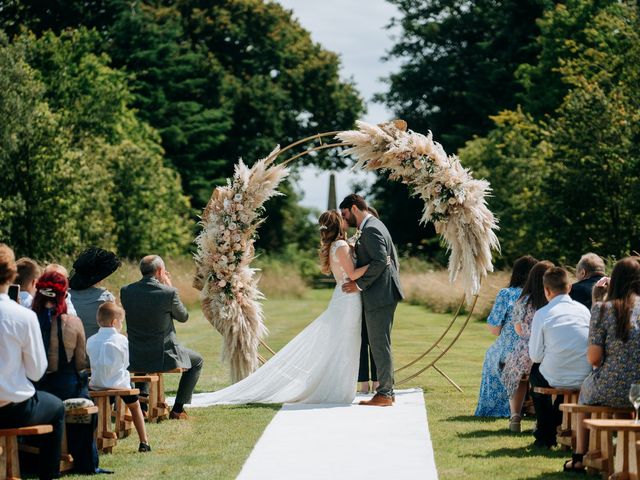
(320, 365)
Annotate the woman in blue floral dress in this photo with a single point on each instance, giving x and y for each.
(493, 400)
(518, 363)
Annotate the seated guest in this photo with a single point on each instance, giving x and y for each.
(90, 268)
(109, 356)
(589, 270)
(558, 348)
(64, 339)
(23, 361)
(151, 305)
(56, 267)
(614, 349)
(518, 363)
(493, 400)
(28, 273)
(66, 376)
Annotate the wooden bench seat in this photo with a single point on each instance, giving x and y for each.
(566, 434)
(598, 456)
(157, 406)
(625, 458)
(107, 438)
(9, 464)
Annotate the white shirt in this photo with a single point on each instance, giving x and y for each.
(109, 358)
(22, 355)
(559, 341)
(71, 310)
(26, 299)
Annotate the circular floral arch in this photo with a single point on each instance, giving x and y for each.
(453, 200)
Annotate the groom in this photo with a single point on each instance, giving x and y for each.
(380, 287)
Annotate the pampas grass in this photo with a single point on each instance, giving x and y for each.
(231, 300)
(453, 200)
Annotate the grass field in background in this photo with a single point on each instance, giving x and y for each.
(216, 441)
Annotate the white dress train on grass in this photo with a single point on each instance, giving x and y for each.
(320, 365)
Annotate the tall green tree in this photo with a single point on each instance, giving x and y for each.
(459, 60)
(584, 155)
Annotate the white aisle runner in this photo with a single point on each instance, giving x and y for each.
(348, 442)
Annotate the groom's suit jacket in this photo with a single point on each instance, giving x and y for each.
(380, 284)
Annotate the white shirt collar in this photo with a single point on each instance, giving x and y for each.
(364, 220)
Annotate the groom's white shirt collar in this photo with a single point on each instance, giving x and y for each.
(364, 220)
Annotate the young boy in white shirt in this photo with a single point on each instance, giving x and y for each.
(109, 357)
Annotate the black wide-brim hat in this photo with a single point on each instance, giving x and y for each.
(91, 266)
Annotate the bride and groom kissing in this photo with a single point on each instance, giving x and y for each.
(320, 365)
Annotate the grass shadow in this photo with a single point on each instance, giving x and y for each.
(473, 418)
(492, 433)
(522, 452)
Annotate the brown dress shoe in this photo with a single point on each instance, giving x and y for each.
(378, 401)
(178, 416)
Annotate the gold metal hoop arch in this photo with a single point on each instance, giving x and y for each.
(447, 339)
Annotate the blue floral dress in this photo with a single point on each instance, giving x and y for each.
(493, 400)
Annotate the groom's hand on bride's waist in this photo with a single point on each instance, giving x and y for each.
(350, 287)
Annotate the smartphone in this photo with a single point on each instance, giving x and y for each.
(14, 292)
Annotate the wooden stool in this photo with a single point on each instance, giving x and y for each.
(600, 444)
(107, 438)
(566, 435)
(66, 460)
(9, 465)
(161, 409)
(152, 400)
(626, 454)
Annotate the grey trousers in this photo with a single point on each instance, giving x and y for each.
(379, 323)
(188, 380)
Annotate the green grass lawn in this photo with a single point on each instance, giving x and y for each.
(216, 441)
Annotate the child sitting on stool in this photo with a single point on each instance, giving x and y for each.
(109, 357)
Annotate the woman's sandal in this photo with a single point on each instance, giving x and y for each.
(570, 465)
(514, 423)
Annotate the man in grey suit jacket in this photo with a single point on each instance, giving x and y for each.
(151, 305)
(380, 287)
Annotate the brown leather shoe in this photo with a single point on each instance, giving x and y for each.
(178, 416)
(378, 401)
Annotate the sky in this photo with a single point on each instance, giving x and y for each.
(355, 29)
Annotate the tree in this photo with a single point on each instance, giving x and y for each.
(219, 80)
(459, 60)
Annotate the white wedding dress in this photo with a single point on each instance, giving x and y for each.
(320, 365)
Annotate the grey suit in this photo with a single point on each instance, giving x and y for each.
(381, 293)
(151, 308)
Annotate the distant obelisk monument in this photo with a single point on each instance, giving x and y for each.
(333, 202)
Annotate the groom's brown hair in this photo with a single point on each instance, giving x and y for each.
(354, 199)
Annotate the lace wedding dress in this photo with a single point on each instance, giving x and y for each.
(320, 365)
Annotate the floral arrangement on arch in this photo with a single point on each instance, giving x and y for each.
(228, 285)
(453, 200)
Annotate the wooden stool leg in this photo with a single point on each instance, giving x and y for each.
(622, 459)
(633, 456)
(3, 457)
(13, 465)
(123, 427)
(153, 401)
(163, 410)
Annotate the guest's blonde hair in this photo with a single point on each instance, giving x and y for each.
(331, 229)
(8, 269)
(56, 267)
(108, 312)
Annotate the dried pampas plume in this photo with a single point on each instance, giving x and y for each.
(453, 200)
(228, 286)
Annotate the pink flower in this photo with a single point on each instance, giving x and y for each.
(222, 283)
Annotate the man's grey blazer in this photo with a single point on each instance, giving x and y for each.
(151, 307)
(380, 284)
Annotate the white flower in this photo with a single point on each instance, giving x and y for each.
(226, 203)
(237, 197)
(222, 283)
(233, 226)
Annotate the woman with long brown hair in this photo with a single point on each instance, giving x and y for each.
(614, 348)
(518, 363)
(320, 365)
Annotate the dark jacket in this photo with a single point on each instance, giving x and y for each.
(581, 291)
(380, 284)
(151, 308)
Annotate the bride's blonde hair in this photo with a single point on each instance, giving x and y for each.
(331, 229)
